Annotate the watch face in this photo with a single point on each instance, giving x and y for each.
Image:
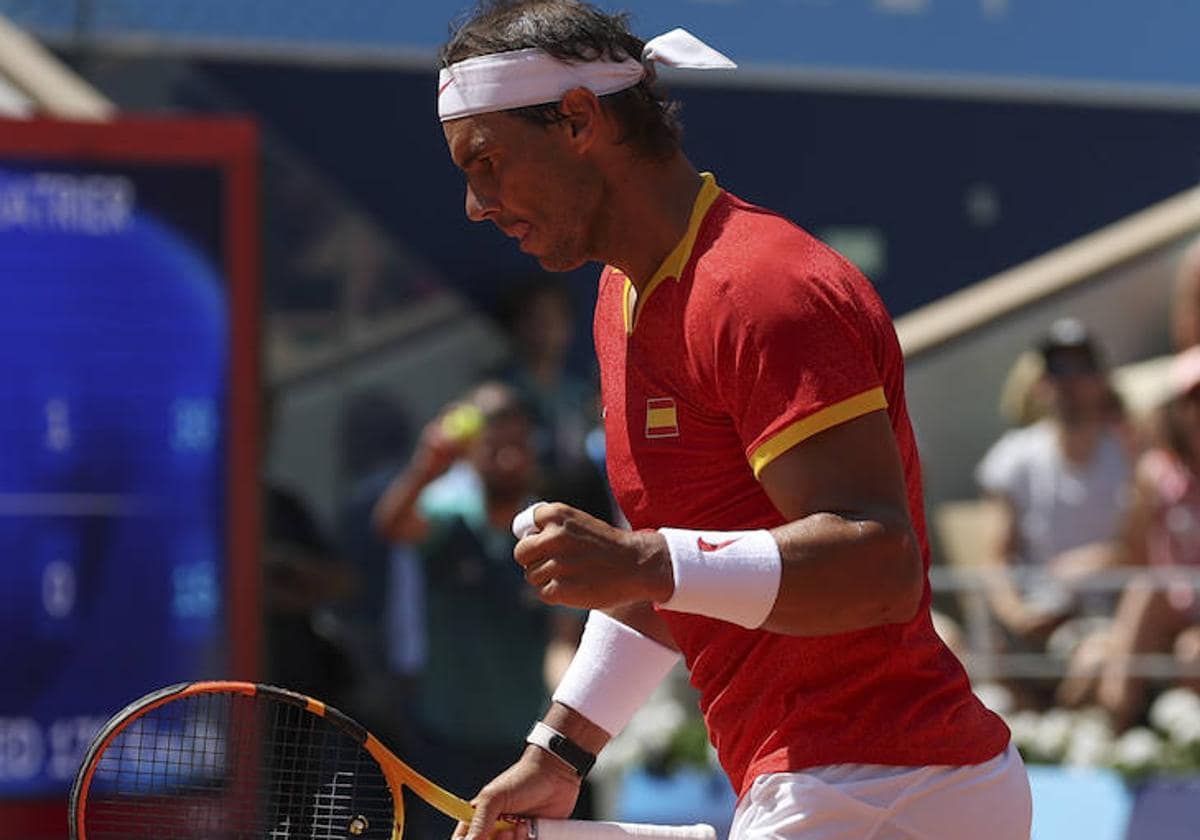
(575, 755)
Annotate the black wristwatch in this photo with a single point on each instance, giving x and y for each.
(562, 747)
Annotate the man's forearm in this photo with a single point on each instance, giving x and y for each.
(614, 671)
(1081, 562)
(821, 575)
(395, 514)
(575, 726)
(842, 574)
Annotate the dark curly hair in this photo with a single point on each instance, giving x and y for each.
(572, 31)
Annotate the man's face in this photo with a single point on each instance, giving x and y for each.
(503, 456)
(529, 181)
(1079, 389)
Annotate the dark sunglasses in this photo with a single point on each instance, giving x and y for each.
(1069, 365)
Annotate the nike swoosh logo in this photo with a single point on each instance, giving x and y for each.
(705, 545)
(442, 89)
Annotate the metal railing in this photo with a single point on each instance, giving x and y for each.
(985, 660)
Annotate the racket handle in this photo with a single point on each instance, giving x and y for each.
(543, 829)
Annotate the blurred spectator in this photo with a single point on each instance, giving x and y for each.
(1145, 384)
(1021, 400)
(1024, 399)
(386, 617)
(495, 651)
(1185, 306)
(1160, 612)
(538, 317)
(302, 578)
(1059, 489)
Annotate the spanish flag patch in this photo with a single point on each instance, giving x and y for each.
(662, 420)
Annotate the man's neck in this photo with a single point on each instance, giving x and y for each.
(651, 205)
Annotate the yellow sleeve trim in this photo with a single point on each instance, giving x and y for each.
(826, 418)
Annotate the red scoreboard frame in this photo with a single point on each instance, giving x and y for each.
(230, 147)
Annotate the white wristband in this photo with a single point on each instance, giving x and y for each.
(730, 575)
(614, 672)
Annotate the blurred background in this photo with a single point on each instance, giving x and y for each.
(241, 291)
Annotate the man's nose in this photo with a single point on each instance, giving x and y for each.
(480, 206)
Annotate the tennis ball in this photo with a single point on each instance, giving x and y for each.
(463, 423)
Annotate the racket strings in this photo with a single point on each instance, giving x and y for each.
(227, 766)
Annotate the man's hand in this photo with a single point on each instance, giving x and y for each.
(1075, 566)
(444, 440)
(580, 561)
(442, 443)
(538, 785)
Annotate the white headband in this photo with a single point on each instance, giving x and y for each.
(503, 81)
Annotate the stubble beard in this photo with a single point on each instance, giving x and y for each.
(567, 254)
(577, 246)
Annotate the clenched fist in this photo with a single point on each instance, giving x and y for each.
(574, 559)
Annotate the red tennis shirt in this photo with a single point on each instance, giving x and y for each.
(750, 338)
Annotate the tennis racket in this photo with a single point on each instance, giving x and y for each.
(242, 761)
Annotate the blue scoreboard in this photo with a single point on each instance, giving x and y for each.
(128, 383)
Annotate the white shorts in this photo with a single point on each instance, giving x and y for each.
(989, 801)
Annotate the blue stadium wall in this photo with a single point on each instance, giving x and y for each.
(905, 167)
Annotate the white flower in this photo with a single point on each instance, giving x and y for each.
(996, 697)
(1091, 743)
(648, 733)
(656, 722)
(1176, 713)
(1024, 726)
(621, 752)
(1138, 749)
(1053, 733)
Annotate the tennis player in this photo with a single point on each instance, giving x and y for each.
(759, 444)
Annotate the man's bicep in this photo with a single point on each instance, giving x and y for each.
(852, 469)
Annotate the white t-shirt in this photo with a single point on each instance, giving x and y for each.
(1059, 505)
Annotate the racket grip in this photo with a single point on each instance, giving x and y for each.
(543, 829)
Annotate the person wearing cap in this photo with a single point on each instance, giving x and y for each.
(1159, 612)
(758, 443)
(1143, 384)
(493, 651)
(1059, 488)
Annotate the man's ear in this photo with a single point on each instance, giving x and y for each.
(583, 117)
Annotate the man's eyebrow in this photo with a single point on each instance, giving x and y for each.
(475, 148)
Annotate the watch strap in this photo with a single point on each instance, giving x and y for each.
(561, 747)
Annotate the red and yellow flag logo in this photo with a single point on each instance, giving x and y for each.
(662, 420)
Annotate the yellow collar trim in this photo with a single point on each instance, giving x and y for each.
(674, 264)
